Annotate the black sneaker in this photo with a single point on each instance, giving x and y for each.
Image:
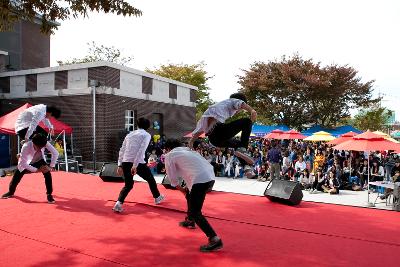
(243, 154)
(188, 224)
(50, 199)
(7, 195)
(212, 246)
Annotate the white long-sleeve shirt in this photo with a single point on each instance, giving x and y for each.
(30, 155)
(188, 165)
(134, 147)
(220, 111)
(30, 118)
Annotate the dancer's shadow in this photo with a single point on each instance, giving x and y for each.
(25, 200)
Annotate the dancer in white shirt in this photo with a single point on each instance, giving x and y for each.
(198, 175)
(222, 134)
(29, 119)
(32, 160)
(131, 161)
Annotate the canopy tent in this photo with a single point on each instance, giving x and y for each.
(368, 141)
(334, 131)
(386, 136)
(320, 136)
(292, 134)
(260, 130)
(275, 134)
(189, 135)
(343, 138)
(7, 126)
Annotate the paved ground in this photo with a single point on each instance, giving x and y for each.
(256, 188)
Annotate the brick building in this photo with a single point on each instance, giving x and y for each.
(124, 94)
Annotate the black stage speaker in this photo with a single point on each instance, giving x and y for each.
(283, 191)
(72, 166)
(108, 173)
(167, 184)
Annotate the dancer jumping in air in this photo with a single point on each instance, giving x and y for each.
(131, 161)
(198, 175)
(221, 134)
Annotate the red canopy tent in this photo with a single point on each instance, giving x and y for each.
(368, 141)
(275, 134)
(7, 122)
(343, 138)
(7, 126)
(189, 135)
(292, 134)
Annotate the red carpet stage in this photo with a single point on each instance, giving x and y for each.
(81, 229)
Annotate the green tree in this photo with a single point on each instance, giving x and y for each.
(49, 11)
(294, 91)
(99, 53)
(374, 118)
(195, 75)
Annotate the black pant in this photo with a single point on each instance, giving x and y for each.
(195, 199)
(18, 176)
(223, 133)
(143, 171)
(22, 133)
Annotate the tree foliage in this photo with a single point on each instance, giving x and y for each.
(374, 118)
(195, 75)
(99, 53)
(49, 11)
(294, 91)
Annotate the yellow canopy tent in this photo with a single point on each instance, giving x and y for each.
(320, 136)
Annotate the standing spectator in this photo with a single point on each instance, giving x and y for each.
(309, 159)
(274, 158)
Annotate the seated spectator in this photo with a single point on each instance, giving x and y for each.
(220, 163)
(331, 184)
(152, 162)
(59, 146)
(395, 179)
(319, 180)
(305, 179)
(299, 167)
(377, 172)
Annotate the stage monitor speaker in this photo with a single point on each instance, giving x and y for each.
(283, 191)
(108, 173)
(167, 184)
(72, 166)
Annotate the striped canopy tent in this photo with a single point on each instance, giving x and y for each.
(320, 136)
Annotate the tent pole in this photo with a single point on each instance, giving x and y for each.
(65, 153)
(18, 143)
(72, 145)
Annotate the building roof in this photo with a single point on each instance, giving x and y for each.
(92, 65)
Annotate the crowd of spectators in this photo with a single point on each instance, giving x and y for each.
(316, 166)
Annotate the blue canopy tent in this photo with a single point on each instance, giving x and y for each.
(335, 131)
(261, 130)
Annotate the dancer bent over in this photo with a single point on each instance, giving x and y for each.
(222, 134)
(29, 119)
(32, 160)
(198, 176)
(131, 161)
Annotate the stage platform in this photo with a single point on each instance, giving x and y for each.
(80, 229)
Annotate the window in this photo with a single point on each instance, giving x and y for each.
(129, 120)
(31, 83)
(193, 97)
(5, 85)
(172, 91)
(147, 85)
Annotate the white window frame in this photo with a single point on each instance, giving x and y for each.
(130, 120)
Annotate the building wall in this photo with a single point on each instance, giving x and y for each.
(27, 47)
(110, 119)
